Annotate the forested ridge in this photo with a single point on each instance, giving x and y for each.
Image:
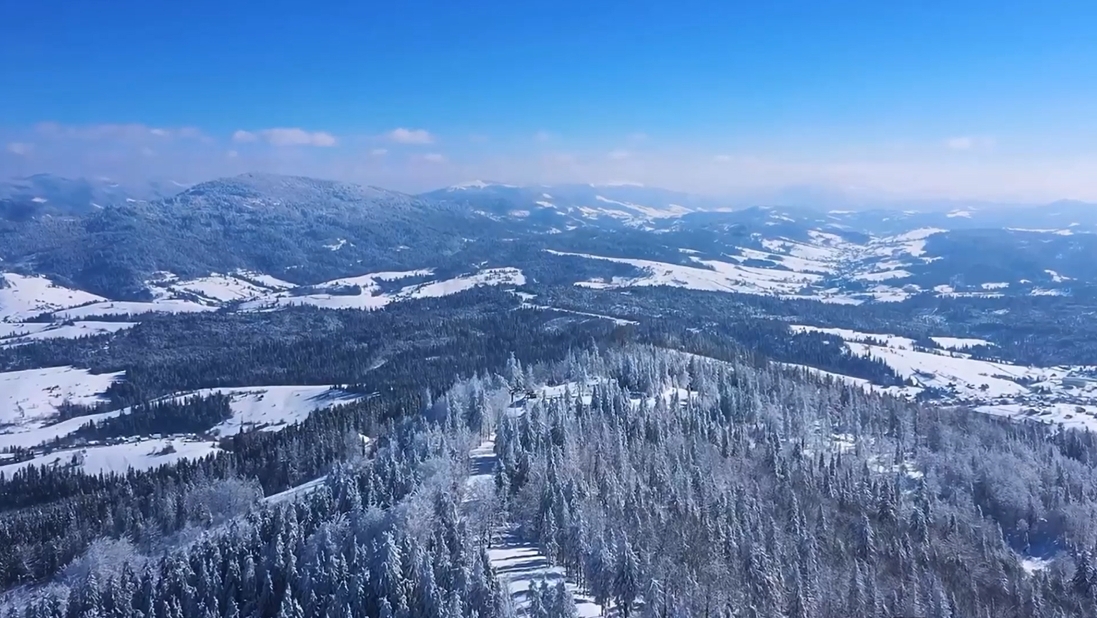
(664, 483)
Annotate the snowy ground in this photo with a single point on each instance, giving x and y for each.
(33, 395)
(28, 418)
(20, 334)
(520, 564)
(270, 408)
(1068, 415)
(74, 311)
(24, 297)
(1064, 395)
(120, 307)
(824, 267)
(293, 493)
(138, 454)
(617, 321)
(370, 297)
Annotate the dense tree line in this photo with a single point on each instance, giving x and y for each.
(192, 415)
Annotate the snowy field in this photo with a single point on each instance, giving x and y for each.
(138, 454)
(370, 297)
(74, 311)
(20, 334)
(617, 321)
(35, 394)
(126, 307)
(29, 411)
(1068, 415)
(819, 268)
(1064, 395)
(24, 297)
(270, 408)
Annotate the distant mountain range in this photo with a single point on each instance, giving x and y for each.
(109, 239)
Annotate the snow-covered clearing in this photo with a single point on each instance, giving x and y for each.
(617, 321)
(138, 454)
(23, 297)
(36, 432)
(258, 408)
(672, 210)
(370, 297)
(218, 288)
(270, 408)
(719, 277)
(35, 394)
(35, 331)
(906, 392)
(490, 276)
(959, 343)
(802, 269)
(1068, 415)
(892, 341)
(125, 307)
(1063, 395)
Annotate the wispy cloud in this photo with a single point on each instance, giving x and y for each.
(20, 148)
(434, 157)
(119, 132)
(619, 154)
(723, 158)
(379, 152)
(410, 136)
(960, 143)
(244, 137)
(286, 136)
(969, 142)
(543, 136)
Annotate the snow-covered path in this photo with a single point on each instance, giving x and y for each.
(519, 563)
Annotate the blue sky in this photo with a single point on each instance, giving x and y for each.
(964, 99)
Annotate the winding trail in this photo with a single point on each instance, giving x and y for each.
(519, 563)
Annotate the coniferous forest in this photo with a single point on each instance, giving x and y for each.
(668, 478)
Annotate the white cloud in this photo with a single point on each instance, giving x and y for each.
(722, 158)
(619, 154)
(232, 154)
(434, 157)
(20, 148)
(960, 143)
(379, 152)
(543, 136)
(297, 137)
(411, 136)
(244, 137)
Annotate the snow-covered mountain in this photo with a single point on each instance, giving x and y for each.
(305, 231)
